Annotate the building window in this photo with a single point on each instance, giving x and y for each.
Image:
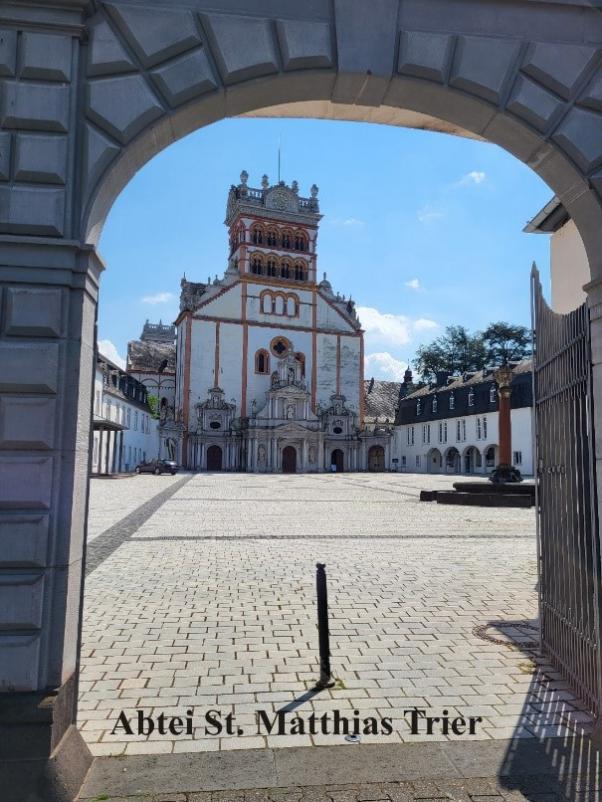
(457, 431)
(412, 431)
(463, 429)
(257, 264)
(300, 242)
(403, 460)
(286, 240)
(471, 398)
(271, 238)
(452, 401)
(257, 236)
(479, 433)
(435, 403)
(419, 407)
(271, 266)
(418, 460)
(279, 346)
(518, 458)
(408, 436)
(492, 394)
(484, 428)
(285, 269)
(262, 361)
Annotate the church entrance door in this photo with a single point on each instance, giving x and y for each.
(289, 460)
(376, 459)
(214, 458)
(337, 460)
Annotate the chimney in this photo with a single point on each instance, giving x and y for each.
(442, 378)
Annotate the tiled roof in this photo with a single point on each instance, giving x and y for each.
(480, 376)
(381, 399)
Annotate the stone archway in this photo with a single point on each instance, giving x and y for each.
(83, 113)
(434, 463)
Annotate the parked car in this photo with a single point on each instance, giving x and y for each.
(158, 466)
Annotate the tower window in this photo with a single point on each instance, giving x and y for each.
(257, 265)
(262, 362)
(286, 240)
(279, 346)
(285, 269)
(257, 236)
(301, 360)
(299, 242)
(271, 238)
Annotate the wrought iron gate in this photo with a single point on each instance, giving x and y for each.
(567, 520)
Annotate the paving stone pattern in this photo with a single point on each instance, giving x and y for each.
(210, 603)
(531, 789)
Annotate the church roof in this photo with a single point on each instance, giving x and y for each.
(380, 399)
(147, 357)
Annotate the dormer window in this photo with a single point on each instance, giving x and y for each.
(452, 401)
(471, 398)
(419, 407)
(435, 403)
(492, 394)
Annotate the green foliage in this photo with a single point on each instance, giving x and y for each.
(153, 402)
(459, 351)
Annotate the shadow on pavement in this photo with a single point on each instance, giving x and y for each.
(551, 757)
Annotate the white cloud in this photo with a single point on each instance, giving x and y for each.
(429, 214)
(384, 327)
(413, 284)
(424, 324)
(474, 177)
(108, 350)
(347, 221)
(384, 366)
(158, 298)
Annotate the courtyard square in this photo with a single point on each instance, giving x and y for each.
(200, 595)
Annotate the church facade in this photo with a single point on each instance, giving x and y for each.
(269, 360)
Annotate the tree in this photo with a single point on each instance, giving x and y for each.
(456, 351)
(506, 343)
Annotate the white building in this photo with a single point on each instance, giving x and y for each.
(451, 426)
(569, 266)
(125, 432)
(269, 374)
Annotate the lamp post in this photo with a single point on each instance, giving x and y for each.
(504, 472)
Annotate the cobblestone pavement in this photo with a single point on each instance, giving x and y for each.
(209, 604)
(532, 789)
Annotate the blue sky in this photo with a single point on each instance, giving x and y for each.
(422, 229)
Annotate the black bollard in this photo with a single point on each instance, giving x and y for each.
(325, 680)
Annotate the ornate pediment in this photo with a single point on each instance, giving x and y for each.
(282, 199)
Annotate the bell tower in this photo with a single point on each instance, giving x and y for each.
(273, 232)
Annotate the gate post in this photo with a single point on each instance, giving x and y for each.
(49, 292)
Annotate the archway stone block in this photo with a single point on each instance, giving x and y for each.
(45, 57)
(32, 210)
(99, 152)
(483, 65)
(580, 134)
(123, 106)
(425, 55)
(558, 74)
(106, 54)
(366, 36)
(592, 96)
(41, 158)
(534, 104)
(243, 47)
(186, 77)
(8, 53)
(156, 34)
(36, 106)
(305, 45)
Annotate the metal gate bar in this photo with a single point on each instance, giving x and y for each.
(567, 520)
